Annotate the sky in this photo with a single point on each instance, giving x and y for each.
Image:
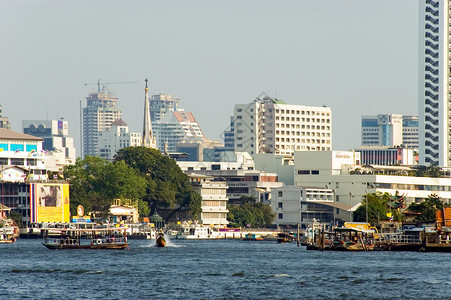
(358, 57)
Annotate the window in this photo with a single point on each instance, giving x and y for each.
(280, 204)
(280, 194)
(315, 172)
(280, 216)
(303, 172)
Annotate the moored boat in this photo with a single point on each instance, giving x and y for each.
(104, 238)
(197, 232)
(7, 235)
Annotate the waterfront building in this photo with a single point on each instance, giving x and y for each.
(4, 122)
(37, 201)
(161, 104)
(116, 138)
(434, 84)
(342, 172)
(214, 199)
(390, 130)
(175, 127)
(240, 176)
(272, 126)
(294, 205)
(57, 144)
(100, 112)
(387, 156)
(23, 151)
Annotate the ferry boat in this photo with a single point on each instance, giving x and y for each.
(342, 239)
(197, 232)
(7, 235)
(104, 238)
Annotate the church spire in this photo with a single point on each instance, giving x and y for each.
(148, 137)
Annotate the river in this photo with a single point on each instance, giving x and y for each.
(219, 269)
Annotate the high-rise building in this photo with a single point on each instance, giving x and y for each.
(410, 131)
(116, 138)
(4, 122)
(57, 142)
(229, 135)
(161, 104)
(390, 130)
(174, 127)
(434, 82)
(100, 112)
(272, 126)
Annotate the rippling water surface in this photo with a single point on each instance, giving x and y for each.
(222, 269)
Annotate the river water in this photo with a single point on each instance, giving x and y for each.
(219, 269)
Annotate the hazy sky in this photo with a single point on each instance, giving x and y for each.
(356, 56)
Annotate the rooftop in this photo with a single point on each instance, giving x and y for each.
(6, 134)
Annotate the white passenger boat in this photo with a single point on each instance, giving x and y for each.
(197, 232)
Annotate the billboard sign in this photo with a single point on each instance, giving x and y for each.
(50, 202)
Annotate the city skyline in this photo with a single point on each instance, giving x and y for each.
(356, 57)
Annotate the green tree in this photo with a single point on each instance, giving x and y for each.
(166, 184)
(95, 183)
(429, 171)
(377, 209)
(427, 208)
(253, 214)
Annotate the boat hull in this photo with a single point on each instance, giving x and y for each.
(161, 242)
(93, 247)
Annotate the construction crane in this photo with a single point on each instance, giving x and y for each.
(104, 84)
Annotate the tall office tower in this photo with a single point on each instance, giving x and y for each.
(116, 138)
(161, 104)
(390, 130)
(229, 135)
(175, 127)
(55, 134)
(382, 130)
(271, 126)
(98, 115)
(4, 122)
(434, 82)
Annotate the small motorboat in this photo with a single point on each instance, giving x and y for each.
(161, 240)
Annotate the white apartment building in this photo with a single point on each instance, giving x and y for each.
(174, 127)
(116, 138)
(100, 112)
(341, 171)
(214, 199)
(434, 63)
(272, 126)
(59, 146)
